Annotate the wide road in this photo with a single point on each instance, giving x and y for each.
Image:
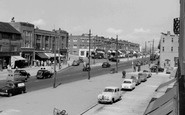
(71, 74)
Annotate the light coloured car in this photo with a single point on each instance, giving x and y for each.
(148, 72)
(110, 95)
(128, 84)
(134, 76)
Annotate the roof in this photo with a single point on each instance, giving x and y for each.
(7, 28)
(163, 105)
(112, 87)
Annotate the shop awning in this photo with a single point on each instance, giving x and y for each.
(50, 55)
(42, 55)
(165, 105)
(16, 58)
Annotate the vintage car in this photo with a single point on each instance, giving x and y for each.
(154, 68)
(134, 76)
(143, 76)
(128, 84)
(13, 88)
(17, 75)
(110, 95)
(43, 73)
(76, 63)
(169, 70)
(149, 74)
(106, 65)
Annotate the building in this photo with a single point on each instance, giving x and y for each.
(27, 44)
(79, 44)
(10, 44)
(168, 49)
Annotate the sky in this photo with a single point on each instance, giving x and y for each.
(137, 21)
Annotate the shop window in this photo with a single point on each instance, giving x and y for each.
(82, 53)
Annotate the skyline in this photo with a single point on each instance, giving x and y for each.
(134, 20)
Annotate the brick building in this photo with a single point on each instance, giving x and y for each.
(10, 44)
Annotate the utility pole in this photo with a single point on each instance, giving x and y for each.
(54, 82)
(153, 48)
(116, 53)
(89, 55)
(145, 48)
(94, 47)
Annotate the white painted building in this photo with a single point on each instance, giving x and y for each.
(168, 49)
(85, 52)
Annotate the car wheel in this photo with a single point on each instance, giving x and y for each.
(9, 94)
(112, 100)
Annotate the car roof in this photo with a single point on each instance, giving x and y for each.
(15, 82)
(127, 79)
(111, 87)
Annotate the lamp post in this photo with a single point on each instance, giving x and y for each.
(116, 53)
(54, 82)
(89, 54)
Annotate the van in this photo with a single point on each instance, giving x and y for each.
(143, 76)
(134, 76)
(14, 75)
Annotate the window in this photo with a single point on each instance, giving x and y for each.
(172, 39)
(163, 49)
(163, 40)
(172, 49)
(82, 53)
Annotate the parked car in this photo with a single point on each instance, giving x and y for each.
(143, 76)
(110, 95)
(149, 74)
(128, 84)
(169, 70)
(43, 73)
(18, 75)
(106, 65)
(134, 76)
(76, 63)
(13, 88)
(86, 67)
(113, 59)
(154, 68)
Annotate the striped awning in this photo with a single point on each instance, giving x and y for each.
(42, 55)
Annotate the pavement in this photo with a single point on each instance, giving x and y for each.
(77, 97)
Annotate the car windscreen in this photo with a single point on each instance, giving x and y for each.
(39, 72)
(109, 90)
(126, 81)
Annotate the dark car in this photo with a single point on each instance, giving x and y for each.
(13, 88)
(113, 59)
(154, 68)
(86, 68)
(106, 65)
(76, 63)
(43, 73)
(23, 73)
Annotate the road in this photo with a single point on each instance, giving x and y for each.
(73, 73)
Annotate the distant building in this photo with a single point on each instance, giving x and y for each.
(168, 49)
(10, 44)
(79, 44)
(27, 44)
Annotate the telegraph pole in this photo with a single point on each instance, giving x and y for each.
(116, 53)
(54, 82)
(89, 54)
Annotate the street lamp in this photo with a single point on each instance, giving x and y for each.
(54, 82)
(89, 54)
(116, 53)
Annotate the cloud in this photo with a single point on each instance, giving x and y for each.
(39, 22)
(114, 31)
(141, 30)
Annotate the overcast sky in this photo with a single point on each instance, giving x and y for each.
(133, 20)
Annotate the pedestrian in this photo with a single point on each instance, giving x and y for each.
(139, 68)
(134, 68)
(123, 74)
